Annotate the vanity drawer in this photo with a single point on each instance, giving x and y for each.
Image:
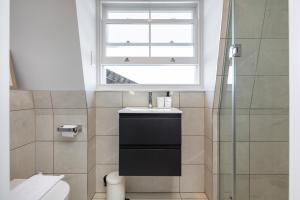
(150, 162)
(150, 130)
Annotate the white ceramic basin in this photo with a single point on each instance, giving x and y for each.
(149, 110)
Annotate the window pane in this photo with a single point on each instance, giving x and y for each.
(171, 15)
(128, 15)
(150, 74)
(164, 33)
(172, 51)
(122, 33)
(127, 51)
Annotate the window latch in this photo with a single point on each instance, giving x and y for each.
(126, 59)
(172, 60)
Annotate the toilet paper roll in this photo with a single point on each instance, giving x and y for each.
(68, 134)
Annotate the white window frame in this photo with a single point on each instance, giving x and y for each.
(105, 61)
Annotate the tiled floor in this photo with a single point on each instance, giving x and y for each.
(158, 196)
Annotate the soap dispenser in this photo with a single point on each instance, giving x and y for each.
(168, 100)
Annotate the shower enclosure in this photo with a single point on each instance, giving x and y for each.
(253, 109)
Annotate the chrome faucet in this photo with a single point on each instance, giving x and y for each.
(150, 100)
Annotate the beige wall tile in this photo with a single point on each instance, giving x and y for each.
(276, 20)
(271, 92)
(216, 123)
(208, 153)
(91, 162)
(152, 184)
(135, 99)
(242, 125)
(217, 94)
(208, 187)
(269, 127)
(91, 183)
(109, 99)
(70, 157)
(192, 99)
(249, 18)
(193, 121)
(44, 124)
(242, 189)
(22, 162)
(78, 186)
(42, 99)
(103, 170)
(215, 193)
(269, 187)
(107, 149)
(273, 57)
(208, 122)
(192, 178)
(22, 128)
(70, 116)
(242, 157)
(193, 195)
(91, 119)
(21, 99)
(193, 150)
(68, 99)
(243, 92)
(248, 61)
(44, 157)
(269, 157)
(107, 121)
(216, 157)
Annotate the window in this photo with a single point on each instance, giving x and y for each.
(149, 43)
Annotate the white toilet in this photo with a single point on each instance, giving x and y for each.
(59, 192)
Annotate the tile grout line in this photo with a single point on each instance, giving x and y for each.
(53, 151)
(23, 145)
(35, 133)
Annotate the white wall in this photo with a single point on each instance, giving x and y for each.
(45, 44)
(212, 20)
(4, 99)
(86, 15)
(294, 24)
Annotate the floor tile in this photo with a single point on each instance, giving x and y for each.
(187, 195)
(158, 196)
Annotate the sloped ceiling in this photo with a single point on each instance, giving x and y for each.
(48, 44)
(86, 15)
(213, 14)
(53, 43)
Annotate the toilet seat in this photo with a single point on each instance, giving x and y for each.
(59, 192)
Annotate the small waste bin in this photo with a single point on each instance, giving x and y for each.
(115, 186)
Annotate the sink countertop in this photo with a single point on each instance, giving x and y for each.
(150, 110)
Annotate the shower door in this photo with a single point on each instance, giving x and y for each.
(253, 111)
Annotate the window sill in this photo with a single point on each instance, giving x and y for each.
(123, 87)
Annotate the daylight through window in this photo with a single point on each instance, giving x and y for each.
(153, 43)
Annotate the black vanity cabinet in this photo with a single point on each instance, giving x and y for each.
(150, 144)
